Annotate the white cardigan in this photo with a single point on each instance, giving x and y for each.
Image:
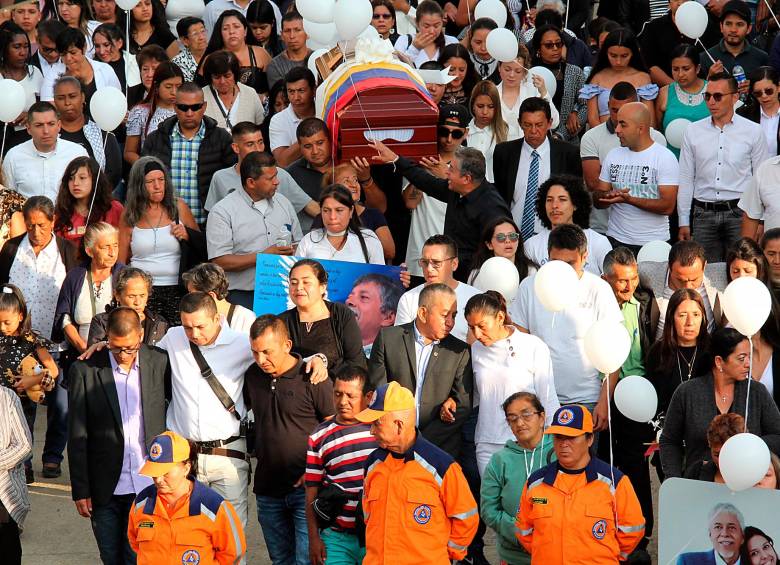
(104, 76)
(248, 109)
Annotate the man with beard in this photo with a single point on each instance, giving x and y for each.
(726, 532)
(374, 299)
(734, 49)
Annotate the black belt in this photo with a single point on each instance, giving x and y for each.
(216, 443)
(232, 453)
(721, 206)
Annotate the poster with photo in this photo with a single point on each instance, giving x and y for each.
(371, 291)
(703, 523)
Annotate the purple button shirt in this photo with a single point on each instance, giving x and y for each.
(128, 390)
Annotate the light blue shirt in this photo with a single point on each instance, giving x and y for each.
(422, 352)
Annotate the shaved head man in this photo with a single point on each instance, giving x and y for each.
(638, 182)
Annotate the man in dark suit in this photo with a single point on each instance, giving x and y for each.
(117, 406)
(436, 366)
(521, 166)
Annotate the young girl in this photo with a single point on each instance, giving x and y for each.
(18, 341)
(156, 108)
(430, 39)
(80, 179)
(458, 59)
(262, 22)
(487, 127)
(485, 64)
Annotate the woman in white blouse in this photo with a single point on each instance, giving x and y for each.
(341, 238)
(487, 128)
(430, 39)
(505, 361)
(229, 101)
(516, 85)
(563, 199)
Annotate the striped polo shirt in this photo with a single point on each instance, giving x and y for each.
(336, 455)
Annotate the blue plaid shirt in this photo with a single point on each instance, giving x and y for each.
(184, 169)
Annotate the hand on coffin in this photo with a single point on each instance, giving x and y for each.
(384, 153)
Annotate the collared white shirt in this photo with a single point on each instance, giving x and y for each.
(422, 352)
(40, 279)
(215, 8)
(406, 310)
(281, 131)
(50, 71)
(769, 125)
(195, 411)
(484, 140)
(405, 44)
(32, 173)
(511, 114)
(238, 226)
(761, 200)
(521, 180)
(717, 164)
(720, 561)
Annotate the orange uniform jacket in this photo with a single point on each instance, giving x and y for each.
(417, 506)
(204, 530)
(570, 518)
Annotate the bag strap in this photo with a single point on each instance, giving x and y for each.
(211, 379)
(225, 113)
(231, 311)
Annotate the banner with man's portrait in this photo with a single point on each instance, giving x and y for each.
(370, 291)
(703, 523)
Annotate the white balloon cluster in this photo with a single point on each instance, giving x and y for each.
(327, 22)
(14, 99)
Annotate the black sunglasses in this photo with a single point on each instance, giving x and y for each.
(382, 16)
(455, 133)
(187, 107)
(764, 92)
(717, 96)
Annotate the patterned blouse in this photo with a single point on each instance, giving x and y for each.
(136, 120)
(186, 62)
(13, 349)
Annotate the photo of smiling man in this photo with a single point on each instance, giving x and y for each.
(374, 300)
(726, 531)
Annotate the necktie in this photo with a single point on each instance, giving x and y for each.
(529, 208)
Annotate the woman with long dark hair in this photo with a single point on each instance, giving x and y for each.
(458, 59)
(82, 187)
(383, 19)
(155, 109)
(76, 14)
(262, 21)
(501, 238)
(618, 60)
(341, 238)
(148, 26)
(476, 41)
(758, 548)
(14, 63)
(109, 42)
(764, 105)
(231, 33)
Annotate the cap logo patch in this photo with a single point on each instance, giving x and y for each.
(155, 451)
(422, 514)
(599, 529)
(565, 417)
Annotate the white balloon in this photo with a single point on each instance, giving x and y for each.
(369, 33)
(549, 78)
(657, 251)
(317, 11)
(313, 60)
(492, 9)
(352, 17)
(607, 345)
(108, 107)
(691, 19)
(127, 5)
(675, 132)
(555, 285)
(747, 304)
(14, 99)
(322, 34)
(636, 398)
(499, 274)
(743, 461)
(502, 45)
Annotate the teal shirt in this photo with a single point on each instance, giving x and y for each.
(633, 364)
(502, 485)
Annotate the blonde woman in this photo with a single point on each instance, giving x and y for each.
(487, 127)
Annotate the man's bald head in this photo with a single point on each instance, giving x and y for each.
(395, 431)
(633, 126)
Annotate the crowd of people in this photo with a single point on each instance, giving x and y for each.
(397, 426)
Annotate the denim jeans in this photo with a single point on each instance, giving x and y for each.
(56, 424)
(283, 521)
(109, 524)
(716, 231)
(342, 548)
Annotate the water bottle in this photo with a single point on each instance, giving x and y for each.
(738, 73)
(284, 239)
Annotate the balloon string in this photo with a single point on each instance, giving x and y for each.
(705, 50)
(750, 378)
(771, 11)
(2, 149)
(97, 178)
(127, 43)
(552, 326)
(611, 452)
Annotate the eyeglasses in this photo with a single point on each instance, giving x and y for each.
(717, 96)
(43, 49)
(125, 350)
(552, 44)
(382, 16)
(524, 416)
(511, 236)
(188, 107)
(435, 264)
(446, 132)
(765, 92)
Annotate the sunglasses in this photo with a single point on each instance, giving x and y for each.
(382, 16)
(188, 107)
(446, 132)
(765, 92)
(511, 236)
(553, 45)
(717, 96)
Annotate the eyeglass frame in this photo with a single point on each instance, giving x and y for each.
(524, 416)
(717, 96)
(125, 350)
(502, 237)
(436, 264)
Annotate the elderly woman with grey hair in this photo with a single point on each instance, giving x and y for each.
(211, 279)
(132, 290)
(157, 233)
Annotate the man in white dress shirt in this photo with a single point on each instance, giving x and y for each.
(438, 261)
(35, 167)
(195, 411)
(718, 158)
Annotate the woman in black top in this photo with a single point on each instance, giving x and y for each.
(148, 26)
(262, 21)
(320, 326)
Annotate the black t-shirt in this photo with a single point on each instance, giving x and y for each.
(119, 69)
(287, 409)
(162, 37)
